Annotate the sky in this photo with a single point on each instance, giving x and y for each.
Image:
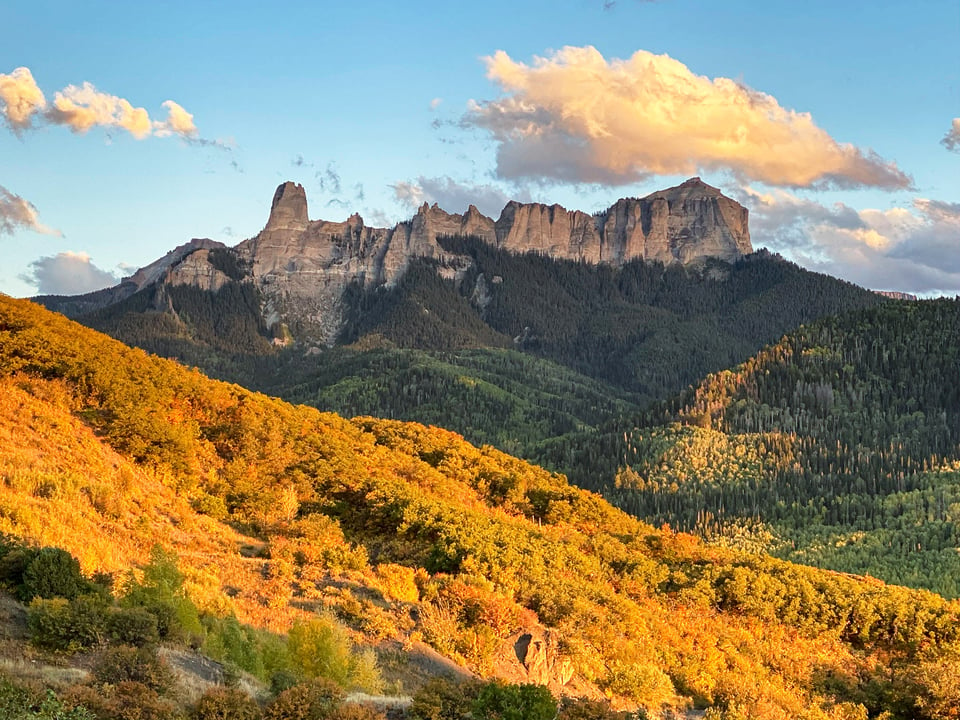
(128, 129)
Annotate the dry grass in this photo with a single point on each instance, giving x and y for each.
(51, 676)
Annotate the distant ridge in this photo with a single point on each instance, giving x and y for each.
(302, 268)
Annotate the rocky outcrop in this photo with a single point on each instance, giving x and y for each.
(693, 221)
(197, 270)
(549, 230)
(150, 274)
(683, 224)
(302, 268)
(536, 655)
(156, 272)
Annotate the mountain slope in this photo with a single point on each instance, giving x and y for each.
(842, 439)
(500, 397)
(590, 293)
(643, 330)
(492, 546)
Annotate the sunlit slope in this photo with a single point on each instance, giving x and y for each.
(63, 487)
(493, 546)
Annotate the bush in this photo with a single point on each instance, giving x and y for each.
(322, 648)
(13, 564)
(398, 583)
(443, 698)
(124, 701)
(210, 505)
(440, 625)
(257, 652)
(53, 573)
(130, 664)
(585, 709)
(21, 703)
(225, 704)
(161, 592)
(53, 709)
(500, 701)
(133, 626)
(59, 624)
(353, 711)
(282, 680)
(312, 700)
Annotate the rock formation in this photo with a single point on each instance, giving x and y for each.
(302, 267)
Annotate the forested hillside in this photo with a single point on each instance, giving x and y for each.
(408, 532)
(841, 440)
(646, 328)
(506, 398)
(518, 349)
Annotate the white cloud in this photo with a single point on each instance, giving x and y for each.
(178, 122)
(435, 103)
(67, 273)
(17, 213)
(83, 107)
(576, 117)
(20, 99)
(408, 194)
(454, 196)
(915, 249)
(377, 217)
(951, 141)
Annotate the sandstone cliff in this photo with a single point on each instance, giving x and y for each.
(302, 268)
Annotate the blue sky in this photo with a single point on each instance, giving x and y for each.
(842, 115)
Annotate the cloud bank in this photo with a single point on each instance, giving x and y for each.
(915, 249)
(576, 117)
(83, 107)
(67, 273)
(17, 213)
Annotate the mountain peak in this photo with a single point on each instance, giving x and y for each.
(289, 208)
(691, 189)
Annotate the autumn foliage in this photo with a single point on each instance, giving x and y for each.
(469, 546)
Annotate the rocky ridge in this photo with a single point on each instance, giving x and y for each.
(302, 268)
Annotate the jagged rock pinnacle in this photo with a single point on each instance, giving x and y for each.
(289, 208)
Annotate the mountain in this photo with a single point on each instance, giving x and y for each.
(410, 534)
(302, 268)
(838, 446)
(536, 329)
(634, 329)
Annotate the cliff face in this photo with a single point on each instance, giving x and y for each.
(682, 224)
(302, 268)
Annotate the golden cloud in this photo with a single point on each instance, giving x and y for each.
(84, 107)
(21, 99)
(576, 117)
(178, 122)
